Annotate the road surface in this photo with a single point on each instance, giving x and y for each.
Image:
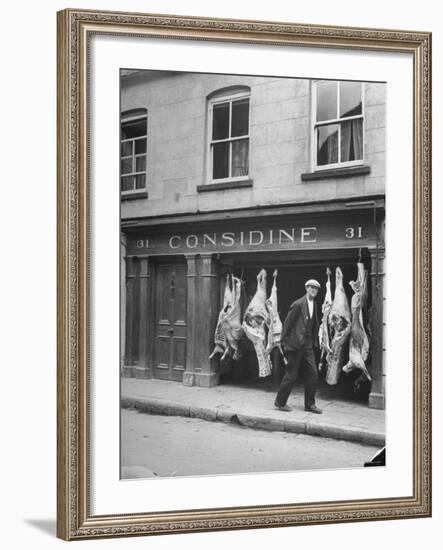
(175, 446)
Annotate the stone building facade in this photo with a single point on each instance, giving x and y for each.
(232, 173)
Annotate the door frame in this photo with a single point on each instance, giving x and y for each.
(155, 262)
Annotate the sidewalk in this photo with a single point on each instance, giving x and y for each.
(253, 408)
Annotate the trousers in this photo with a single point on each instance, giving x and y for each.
(303, 359)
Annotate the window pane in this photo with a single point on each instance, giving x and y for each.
(351, 140)
(140, 146)
(127, 183)
(126, 149)
(240, 117)
(140, 163)
(220, 121)
(220, 160)
(326, 100)
(134, 128)
(134, 113)
(327, 144)
(350, 99)
(240, 158)
(126, 165)
(140, 181)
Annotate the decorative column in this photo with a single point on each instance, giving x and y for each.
(377, 394)
(191, 279)
(202, 312)
(208, 305)
(143, 367)
(129, 315)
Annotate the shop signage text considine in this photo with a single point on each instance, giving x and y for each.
(249, 240)
(242, 238)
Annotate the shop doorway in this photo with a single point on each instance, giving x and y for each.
(291, 278)
(170, 322)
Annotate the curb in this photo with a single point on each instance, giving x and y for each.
(254, 421)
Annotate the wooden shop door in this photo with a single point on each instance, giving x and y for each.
(170, 322)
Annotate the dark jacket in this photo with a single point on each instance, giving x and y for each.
(294, 327)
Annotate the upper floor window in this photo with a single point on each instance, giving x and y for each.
(338, 126)
(229, 137)
(134, 133)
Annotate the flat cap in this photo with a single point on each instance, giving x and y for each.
(312, 282)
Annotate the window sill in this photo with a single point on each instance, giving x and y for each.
(140, 194)
(225, 185)
(345, 172)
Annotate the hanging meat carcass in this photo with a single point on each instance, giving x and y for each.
(340, 324)
(275, 324)
(358, 341)
(219, 335)
(365, 308)
(323, 333)
(255, 323)
(231, 321)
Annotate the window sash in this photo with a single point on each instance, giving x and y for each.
(134, 186)
(125, 140)
(339, 121)
(220, 101)
(339, 154)
(230, 167)
(133, 118)
(134, 173)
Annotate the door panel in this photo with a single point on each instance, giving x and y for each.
(179, 307)
(162, 294)
(163, 352)
(180, 353)
(170, 322)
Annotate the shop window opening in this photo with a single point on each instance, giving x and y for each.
(290, 286)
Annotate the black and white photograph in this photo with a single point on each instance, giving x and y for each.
(252, 270)
(218, 260)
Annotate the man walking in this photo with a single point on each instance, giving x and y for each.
(299, 337)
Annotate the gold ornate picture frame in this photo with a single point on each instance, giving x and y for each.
(75, 519)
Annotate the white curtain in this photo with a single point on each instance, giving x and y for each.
(240, 158)
(357, 136)
(352, 140)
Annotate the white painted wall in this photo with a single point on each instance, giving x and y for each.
(279, 144)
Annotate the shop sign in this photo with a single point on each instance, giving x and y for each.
(323, 235)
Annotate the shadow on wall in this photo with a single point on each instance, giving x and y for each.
(48, 526)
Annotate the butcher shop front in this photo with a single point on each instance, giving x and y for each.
(181, 271)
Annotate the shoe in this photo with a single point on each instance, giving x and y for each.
(314, 409)
(283, 408)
